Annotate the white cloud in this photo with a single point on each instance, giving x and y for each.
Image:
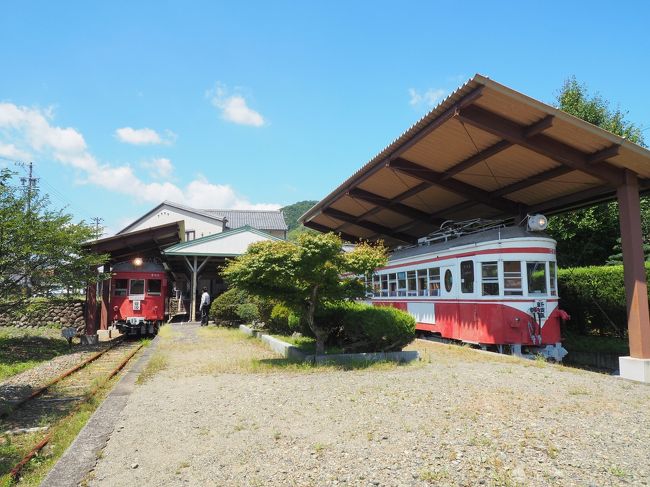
(143, 136)
(234, 108)
(429, 98)
(30, 129)
(160, 168)
(10, 151)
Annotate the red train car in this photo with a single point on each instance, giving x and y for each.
(138, 292)
(493, 288)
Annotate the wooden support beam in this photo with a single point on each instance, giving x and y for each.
(372, 226)
(539, 126)
(322, 228)
(603, 154)
(393, 205)
(476, 158)
(636, 287)
(463, 189)
(540, 143)
(533, 180)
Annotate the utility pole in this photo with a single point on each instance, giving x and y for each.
(97, 220)
(30, 182)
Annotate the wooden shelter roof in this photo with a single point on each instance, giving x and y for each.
(149, 241)
(486, 151)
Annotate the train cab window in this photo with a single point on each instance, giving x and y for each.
(512, 278)
(190, 235)
(120, 287)
(467, 276)
(376, 285)
(411, 284)
(136, 287)
(392, 284)
(401, 284)
(422, 282)
(490, 278)
(154, 287)
(536, 273)
(434, 281)
(553, 276)
(384, 285)
(449, 280)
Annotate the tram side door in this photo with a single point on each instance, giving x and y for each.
(447, 309)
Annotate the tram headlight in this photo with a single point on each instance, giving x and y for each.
(537, 223)
(137, 261)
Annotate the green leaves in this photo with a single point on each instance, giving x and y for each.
(40, 248)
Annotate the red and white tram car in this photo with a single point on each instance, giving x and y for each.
(138, 292)
(496, 287)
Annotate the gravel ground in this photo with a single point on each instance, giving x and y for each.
(225, 412)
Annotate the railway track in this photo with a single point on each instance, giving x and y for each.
(48, 407)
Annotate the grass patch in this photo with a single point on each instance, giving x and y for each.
(22, 349)
(156, 364)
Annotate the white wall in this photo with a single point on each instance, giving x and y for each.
(202, 226)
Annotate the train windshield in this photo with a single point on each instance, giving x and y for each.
(536, 277)
(120, 286)
(137, 286)
(154, 287)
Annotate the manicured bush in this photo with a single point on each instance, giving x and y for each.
(362, 328)
(224, 309)
(248, 312)
(595, 299)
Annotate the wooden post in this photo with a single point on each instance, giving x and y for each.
(636, 288)
(194, 282)
(106, 298)
(90, 335)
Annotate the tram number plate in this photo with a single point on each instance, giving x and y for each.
(136, 305)
(539, 308)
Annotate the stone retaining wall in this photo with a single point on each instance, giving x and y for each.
(55, 313)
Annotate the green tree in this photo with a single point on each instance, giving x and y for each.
(305, 274)
(589, 236)
(40, 248)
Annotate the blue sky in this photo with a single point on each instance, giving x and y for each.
(261, 104)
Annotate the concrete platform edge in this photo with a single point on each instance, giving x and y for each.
(635, 369)
(289, 351)
(81, 456)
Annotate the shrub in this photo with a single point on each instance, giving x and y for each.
(283, 320)
(363, 328)
(595, 299)
(224, 309)
(248, 312)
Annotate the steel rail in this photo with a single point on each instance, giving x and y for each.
(20, 465)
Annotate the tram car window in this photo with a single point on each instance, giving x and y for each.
(411, 282)
(512, 278)
(449, 280)
(154, 287)
(422, 282)
(467, 276)
(434, 281)
(553, 277)
(490, 278)
(121, 286)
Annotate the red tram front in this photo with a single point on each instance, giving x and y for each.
(493, 288)
(138, 292)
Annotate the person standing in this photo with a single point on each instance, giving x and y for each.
(205, 307)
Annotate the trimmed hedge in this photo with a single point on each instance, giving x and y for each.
(283, 320)
(595, 299)
(360, 327)
(224, 310)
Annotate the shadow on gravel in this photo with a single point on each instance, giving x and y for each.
(284, 363)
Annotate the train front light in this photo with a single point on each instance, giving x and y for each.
(537, 223)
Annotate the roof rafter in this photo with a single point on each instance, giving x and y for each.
(325, 229)
(372, 226)
(542, 144)
(392, 205)
(455, 186)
